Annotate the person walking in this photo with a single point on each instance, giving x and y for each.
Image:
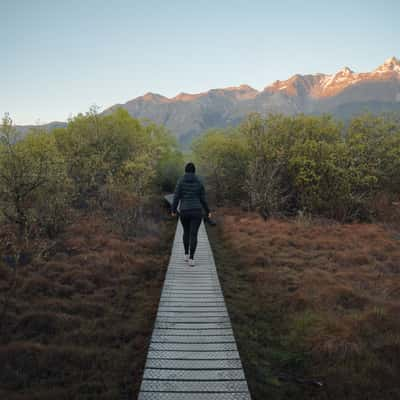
(190, 192)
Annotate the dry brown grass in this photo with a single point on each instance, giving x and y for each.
(83, 314)
(331, 292)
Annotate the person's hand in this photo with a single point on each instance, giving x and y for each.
(173, 214)
(209, 215)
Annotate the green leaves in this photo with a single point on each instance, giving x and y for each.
(44, 173)
(34, 186)
(222, 156)
(302, 162)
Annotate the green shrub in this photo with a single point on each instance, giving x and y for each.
(222, 156)
(34, 186)
(312, 164)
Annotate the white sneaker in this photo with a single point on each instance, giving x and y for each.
(191, 262)
(186, 258)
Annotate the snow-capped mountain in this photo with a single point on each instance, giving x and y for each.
(391, 65)
(322, 85)
(342, 94)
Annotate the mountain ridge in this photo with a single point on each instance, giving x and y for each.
(189, 114)
(390, 67)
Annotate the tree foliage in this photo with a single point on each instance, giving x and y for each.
(34, 186)
(222, 157)
(311, 164)
(113, 161)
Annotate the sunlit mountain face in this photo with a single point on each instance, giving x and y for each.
(342, 94)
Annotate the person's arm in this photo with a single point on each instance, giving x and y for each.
(203, 200)
(177, 197)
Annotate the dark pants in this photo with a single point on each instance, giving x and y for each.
(191, 221)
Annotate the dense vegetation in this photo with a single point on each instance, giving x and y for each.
(305, 164)
(112, 162)
(312, 289)
(83, 250)
(314, 305)
(84, 247)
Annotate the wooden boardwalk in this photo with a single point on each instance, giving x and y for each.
(193, 353)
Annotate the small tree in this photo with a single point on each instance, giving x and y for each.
(32, 178)
(222, 156)
(266, 179)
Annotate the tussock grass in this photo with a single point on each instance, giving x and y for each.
(82, 317)
(312, 300)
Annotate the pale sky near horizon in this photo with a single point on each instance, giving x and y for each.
(60, 57)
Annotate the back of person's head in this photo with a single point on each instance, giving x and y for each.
(190, 168)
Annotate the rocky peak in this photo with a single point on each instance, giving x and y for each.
(187, 96)
(341, 77)
(312, 85)
(153, 97)
(346, 71)
(244, 87)
(241, 92)
(392, 64)
(392, 61)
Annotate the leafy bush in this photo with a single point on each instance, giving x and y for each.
(308, 164)
(34, 186)
(110, 161)
(222, 156)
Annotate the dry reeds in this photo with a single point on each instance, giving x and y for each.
(331, 293)
(81, 320)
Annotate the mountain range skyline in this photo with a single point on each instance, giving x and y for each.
(343, 94)
(391, 66)
(118, 51)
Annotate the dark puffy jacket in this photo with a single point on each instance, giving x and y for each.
(190, 191)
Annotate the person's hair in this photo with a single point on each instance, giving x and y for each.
(190, 167)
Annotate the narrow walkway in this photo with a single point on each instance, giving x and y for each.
(193, 354)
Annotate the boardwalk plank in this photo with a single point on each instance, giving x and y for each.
(192, 396)
(193, 332)
(193, 346)
(200, 365)
(163, 309)
(194, 386)
(191, 375)
(193, 353)
(192, 339)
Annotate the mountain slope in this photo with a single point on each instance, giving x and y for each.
(342, 94)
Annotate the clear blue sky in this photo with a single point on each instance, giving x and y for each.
(60, 57)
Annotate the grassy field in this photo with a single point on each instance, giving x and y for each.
(315, 305)
(81, 320)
